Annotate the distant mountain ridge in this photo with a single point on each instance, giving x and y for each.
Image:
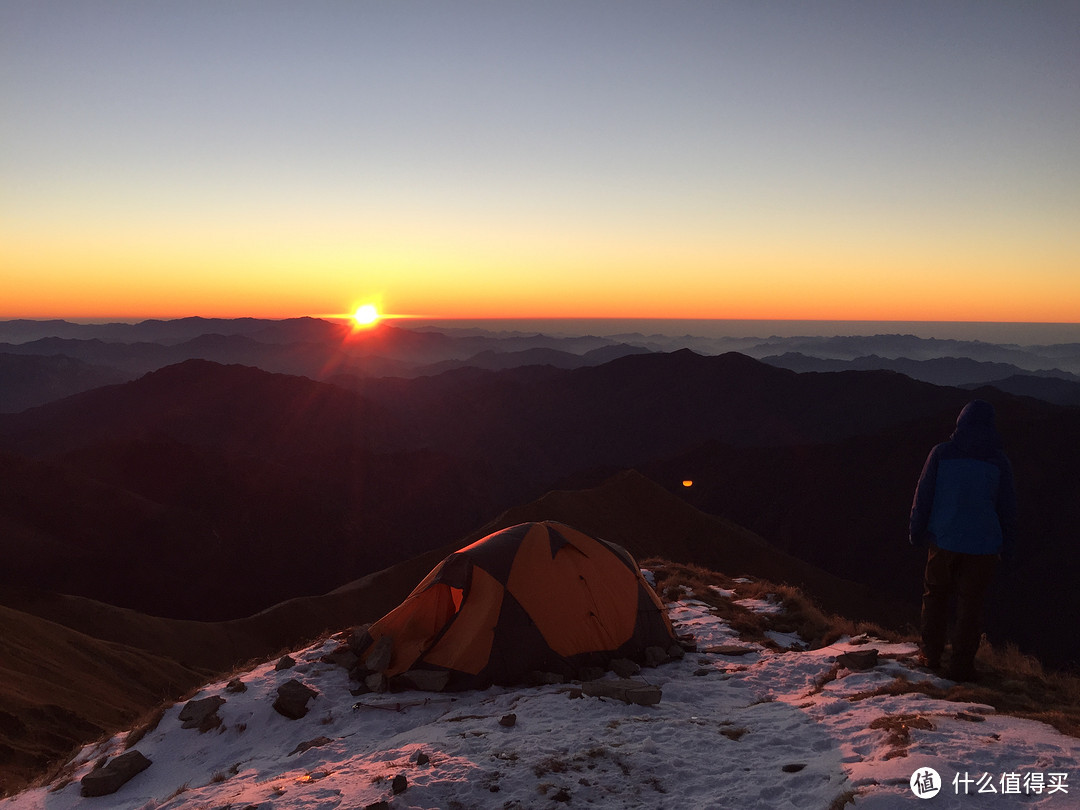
(327, 350)
(302, 484)
(1052, 385)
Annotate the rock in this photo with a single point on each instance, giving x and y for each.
(235, 686)
(628, 691)
(508, 720)
(375, 682)
(114, 774)
(687, 643)
(591, 673)
(285, 662)
(729, 649)
(343, 657)
(400, 784)
(676, 652)
(422, 758)
(537, 678)
(624, 667)
(378, 657)
(202, 714)
(793, 767)
(426, 680)
(360, 639)
(309, 744)
(293, 698)
(655, 656)
(859, 660)
(380, 805)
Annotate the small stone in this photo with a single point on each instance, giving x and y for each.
(236, 685)
(285, 662)
(422, 759)
(858, 661)
(628, 691)
(308, 745)
(508, 720)
(793, 767)
(400, 784)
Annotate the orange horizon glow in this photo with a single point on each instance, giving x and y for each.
(640, 289)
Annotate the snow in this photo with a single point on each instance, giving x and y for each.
(741, 726)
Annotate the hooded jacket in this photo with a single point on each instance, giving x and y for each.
(966, 500)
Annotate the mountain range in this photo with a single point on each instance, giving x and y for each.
(198, 513)
(41, 361)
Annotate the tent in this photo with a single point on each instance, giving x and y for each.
(533, 597)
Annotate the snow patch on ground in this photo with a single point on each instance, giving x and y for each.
(765, 729)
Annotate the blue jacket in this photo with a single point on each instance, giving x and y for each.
(966, 500)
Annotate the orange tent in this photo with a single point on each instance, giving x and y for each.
(532, 597)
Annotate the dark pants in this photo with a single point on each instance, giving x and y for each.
(967, 577)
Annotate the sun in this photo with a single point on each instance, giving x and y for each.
(366, 315)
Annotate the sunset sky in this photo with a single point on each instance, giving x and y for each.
(813, 160)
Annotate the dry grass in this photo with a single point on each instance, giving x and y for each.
(800, 614)
(899, 728)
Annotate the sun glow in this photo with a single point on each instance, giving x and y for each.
(366, 315)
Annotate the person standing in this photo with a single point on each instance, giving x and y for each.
(964, 509)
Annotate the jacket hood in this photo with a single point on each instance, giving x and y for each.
(975, 431)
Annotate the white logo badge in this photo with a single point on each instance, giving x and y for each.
(925, 783)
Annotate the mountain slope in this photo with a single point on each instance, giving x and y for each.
(60, 688)
(627, 509)
(740, 722)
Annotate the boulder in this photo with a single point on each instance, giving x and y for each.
(624, 667)
(655, 656)
(342, 656)
(426, 680)
(114, 774)
(375, 682)
(292, 699)
(202, 714)
(378, 657)
(359, 639)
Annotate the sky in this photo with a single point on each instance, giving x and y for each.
(912, 161)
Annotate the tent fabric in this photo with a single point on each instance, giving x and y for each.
(533, 597)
